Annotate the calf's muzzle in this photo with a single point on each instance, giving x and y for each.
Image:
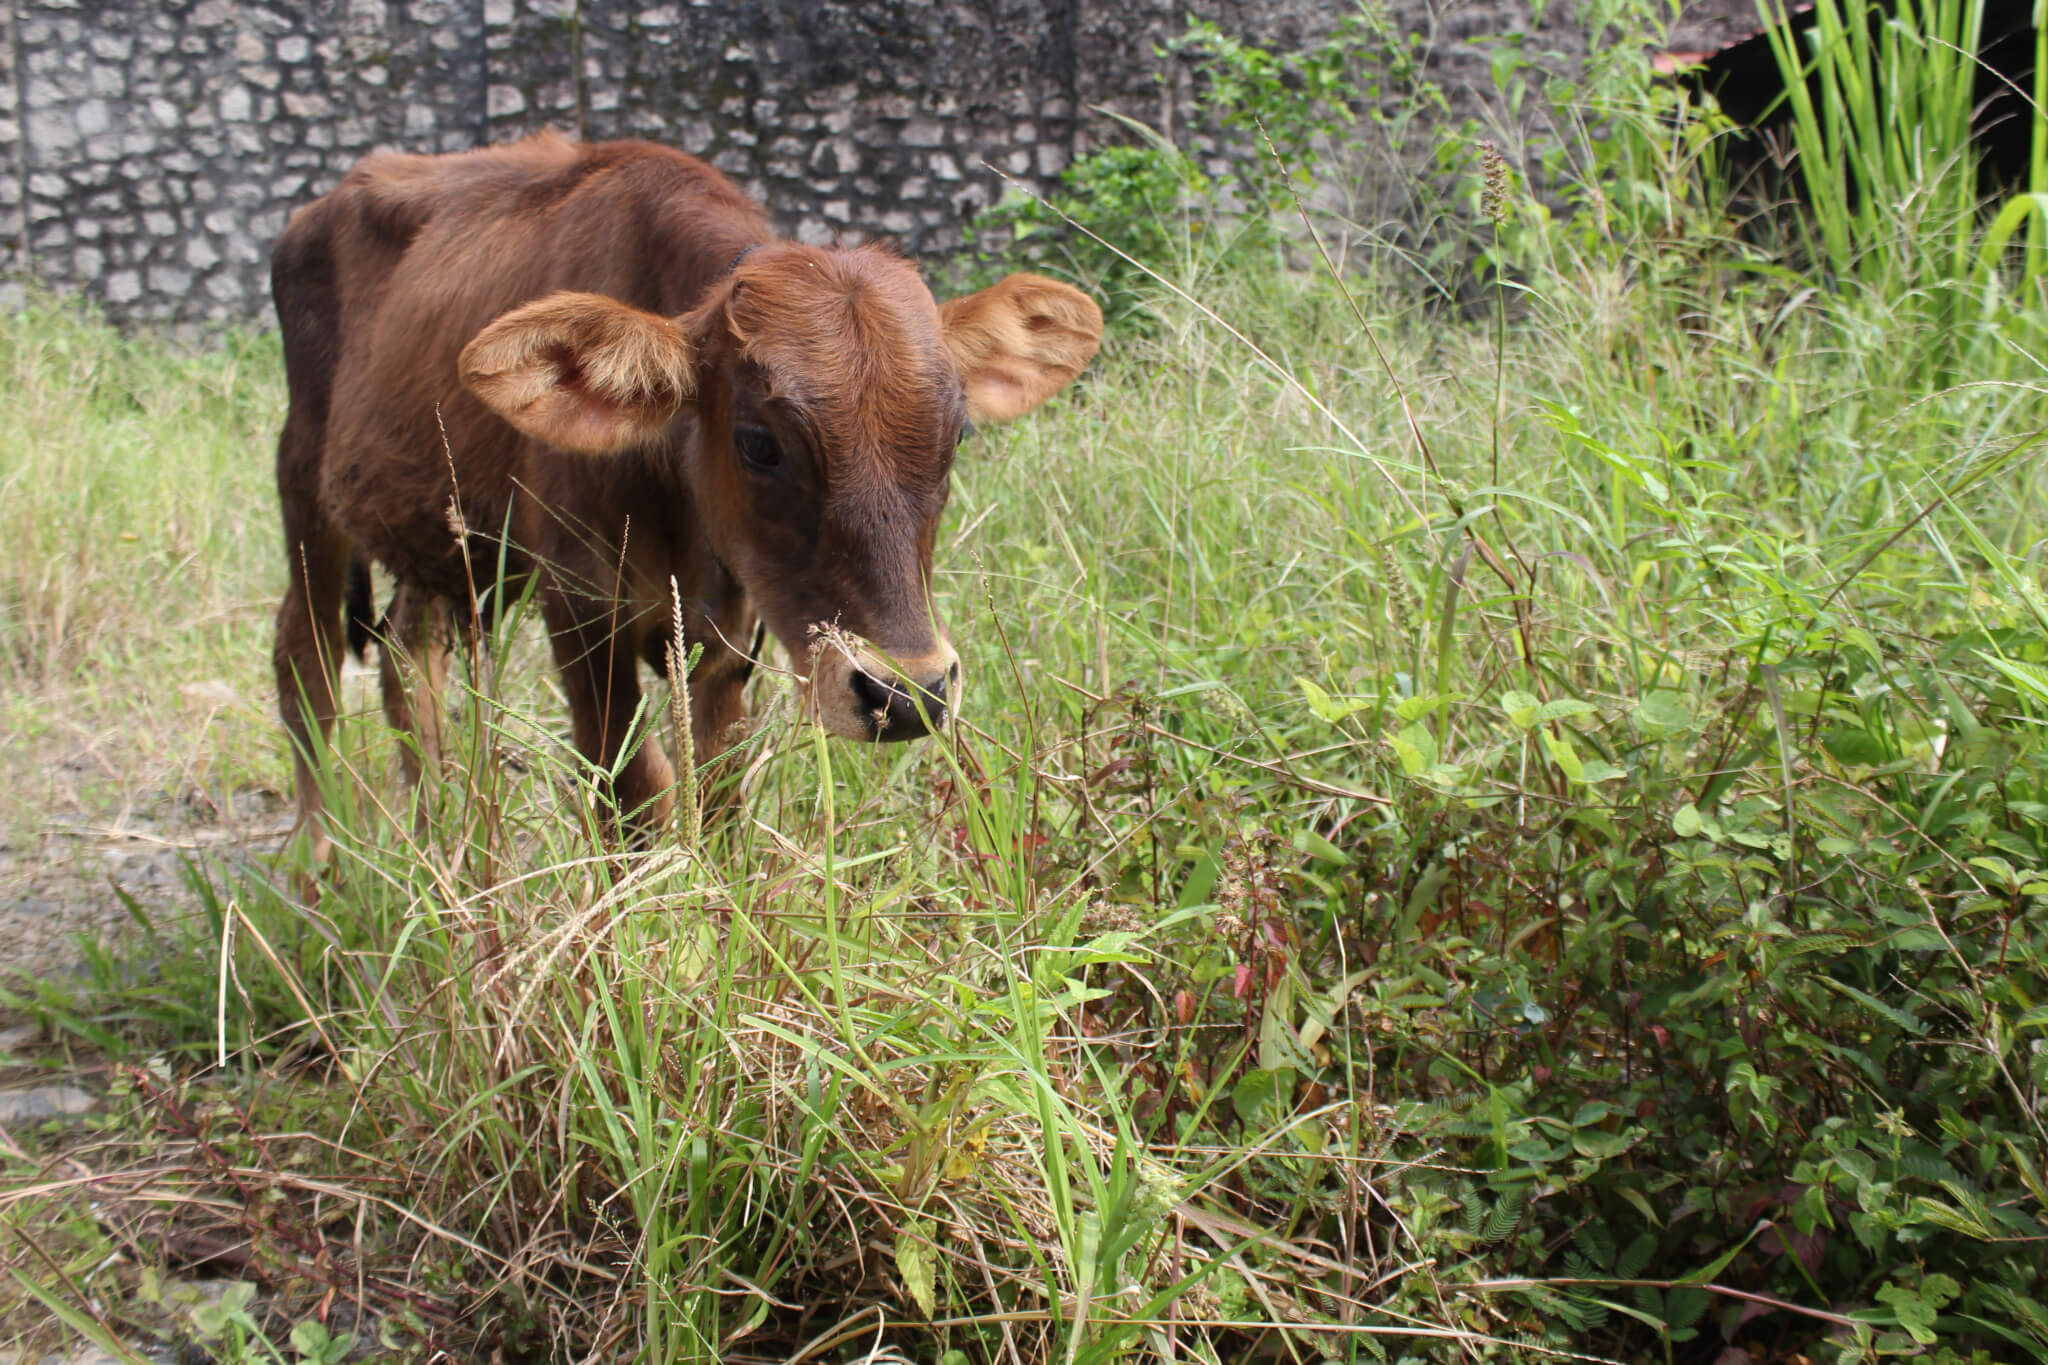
(862, 693)
(900, 708)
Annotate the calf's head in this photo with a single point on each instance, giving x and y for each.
(814, 400)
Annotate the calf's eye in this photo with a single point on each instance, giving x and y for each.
(757, 448)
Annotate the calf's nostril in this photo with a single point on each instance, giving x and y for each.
(875, 695)
(901, 709)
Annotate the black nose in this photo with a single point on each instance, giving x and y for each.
(899, 712)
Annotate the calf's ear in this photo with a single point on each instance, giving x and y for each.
(1019, 342)
(582, 372)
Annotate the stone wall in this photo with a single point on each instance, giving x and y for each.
(151, 150)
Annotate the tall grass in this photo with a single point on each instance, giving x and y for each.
(1883, 105)
(138, 522)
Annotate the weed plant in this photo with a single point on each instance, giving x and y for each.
(1507, 838)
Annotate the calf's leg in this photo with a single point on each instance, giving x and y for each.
(412, 669)
(307, 655)
(717, 700)
(601, 677)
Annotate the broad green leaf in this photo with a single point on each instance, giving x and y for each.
(1418, 737)
(1910, 1311)
(1317, 847)
(2031, 679)
(1564, 755)
(1660, 712)
(1875, 1005)
(1521, 708)
(1598, 1145)
(2000, 870)
(1641, 1203)
(1417, 707)
(1327, 708)
(1854, 746)
(1262, 1099)
(1564, 708)
(914, 1264)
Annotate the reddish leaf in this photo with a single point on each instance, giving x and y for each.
(1109, 770)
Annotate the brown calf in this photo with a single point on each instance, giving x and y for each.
(605, 358)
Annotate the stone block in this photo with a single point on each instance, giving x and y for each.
(52, 130)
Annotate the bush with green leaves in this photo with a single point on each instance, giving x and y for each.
(1130, 211)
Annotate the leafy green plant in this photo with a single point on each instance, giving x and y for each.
(1140, 200)
(1128, 211)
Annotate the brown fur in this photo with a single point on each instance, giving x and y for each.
(555, 339)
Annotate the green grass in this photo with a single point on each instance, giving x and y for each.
(1552, 887)
(138, 511)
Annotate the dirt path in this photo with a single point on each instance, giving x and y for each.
(67, 879)
(62, 890)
